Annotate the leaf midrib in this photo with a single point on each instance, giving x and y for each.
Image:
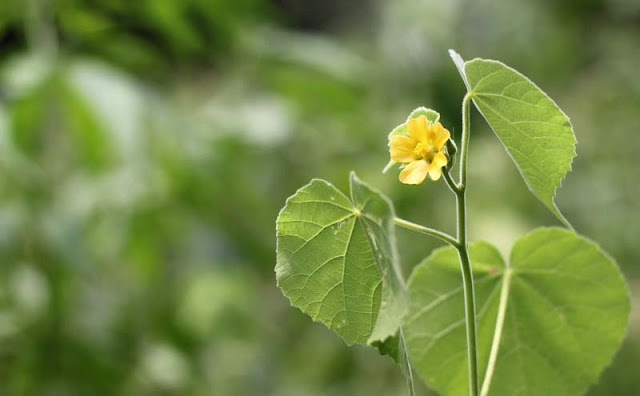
(497, 332)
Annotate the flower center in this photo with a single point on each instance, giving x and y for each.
(425, 151)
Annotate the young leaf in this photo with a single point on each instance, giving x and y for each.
(548, 322)
(536, 133)
(336, 260)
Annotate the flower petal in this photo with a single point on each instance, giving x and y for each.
(439, 160)
(415, 172)
(435, 173)
(440, 135)
(401, 149)
(418, 128)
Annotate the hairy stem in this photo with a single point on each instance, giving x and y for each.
(463, 252)
(469, 296)
(426, 230)
(466, 123)
(460, 243)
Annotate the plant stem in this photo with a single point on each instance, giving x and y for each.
(463, 252)
(469, 295)
(426, 230)
(460, 243)
(466, 123)
(452, 185)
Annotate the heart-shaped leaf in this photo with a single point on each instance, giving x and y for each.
(536, 133)
(548, 322)
(336, 260)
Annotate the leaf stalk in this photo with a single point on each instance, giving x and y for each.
(426, 230)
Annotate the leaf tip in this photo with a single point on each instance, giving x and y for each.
(353, 177)
(459, 62)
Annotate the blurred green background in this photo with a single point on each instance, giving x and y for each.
(147, 146)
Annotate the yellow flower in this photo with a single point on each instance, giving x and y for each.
(422, 151)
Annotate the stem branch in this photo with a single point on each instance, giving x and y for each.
(426, 230)
(453, 186)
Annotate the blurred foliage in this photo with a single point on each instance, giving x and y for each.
(147, 146)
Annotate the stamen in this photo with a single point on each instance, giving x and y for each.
(425, 151)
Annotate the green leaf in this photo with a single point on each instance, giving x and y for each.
(376, 216)
(536, 133)
(336, 260)
(548, 322)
